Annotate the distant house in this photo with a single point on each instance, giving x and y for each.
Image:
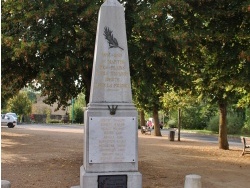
(40, 107)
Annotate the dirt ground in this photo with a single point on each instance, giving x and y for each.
(42, 159)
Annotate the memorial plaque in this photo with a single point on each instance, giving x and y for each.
(112, 181)
(112, 139)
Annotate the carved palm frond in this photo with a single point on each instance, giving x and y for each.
(113, 43)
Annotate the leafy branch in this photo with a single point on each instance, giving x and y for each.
(113, 43)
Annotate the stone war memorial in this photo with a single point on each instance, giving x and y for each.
(110, 158)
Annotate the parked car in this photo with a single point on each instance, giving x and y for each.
(8, 120)
(13, 114)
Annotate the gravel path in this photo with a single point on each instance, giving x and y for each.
(33, 158)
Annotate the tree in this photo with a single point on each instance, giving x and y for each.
(20, 104)
(49, 44)
(157, 67)
(218, 52)
(207, 44)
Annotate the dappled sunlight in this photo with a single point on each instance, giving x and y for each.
(41, 154)
(31, 156)
(3, 134)
(11, 158)
(62, 129)
(172, 160)
(7, 139)
(9, 142)
(193, 150)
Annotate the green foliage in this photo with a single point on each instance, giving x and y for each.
(173, 100)
(157, 67)
(78, 115)
(172, 123)
(32, 96)
(192, 118)
(50, 45)
(222, 36)
(194, 113)
(213, 124)
(244, 100)
(20, 104)
(234, 124)
(78, 109)
(54, 121)
(48, 112)
(246, 127)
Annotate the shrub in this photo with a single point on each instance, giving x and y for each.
(78, 109)
(213, 124)
(192, 118)
(172, 123)
(246, 128)
(54, 121)
(234, 124)
(48, 115)
(78, 115)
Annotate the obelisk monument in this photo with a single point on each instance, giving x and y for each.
(110, 121)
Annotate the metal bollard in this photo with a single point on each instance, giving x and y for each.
(5, 184)
(192, 181)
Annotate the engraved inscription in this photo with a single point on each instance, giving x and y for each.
(112, 139)
(115, 72)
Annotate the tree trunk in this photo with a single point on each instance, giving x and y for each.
(142, 116)
(223, 142)
(157, 131)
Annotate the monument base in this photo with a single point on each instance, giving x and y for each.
(90, 180)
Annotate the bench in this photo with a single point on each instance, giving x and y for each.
(145, 130)
(246, 144)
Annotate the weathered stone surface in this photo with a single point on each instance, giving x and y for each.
(192, 181)
(5, 184)
(111, 76)
(110, 120)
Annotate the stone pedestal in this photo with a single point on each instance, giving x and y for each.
(134, 179)
(110, 145)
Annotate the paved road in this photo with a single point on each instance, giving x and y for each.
(202, 137)
(52, 127)
(79, 129)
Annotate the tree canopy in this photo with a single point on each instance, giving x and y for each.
(20, 104)
(48, 45)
